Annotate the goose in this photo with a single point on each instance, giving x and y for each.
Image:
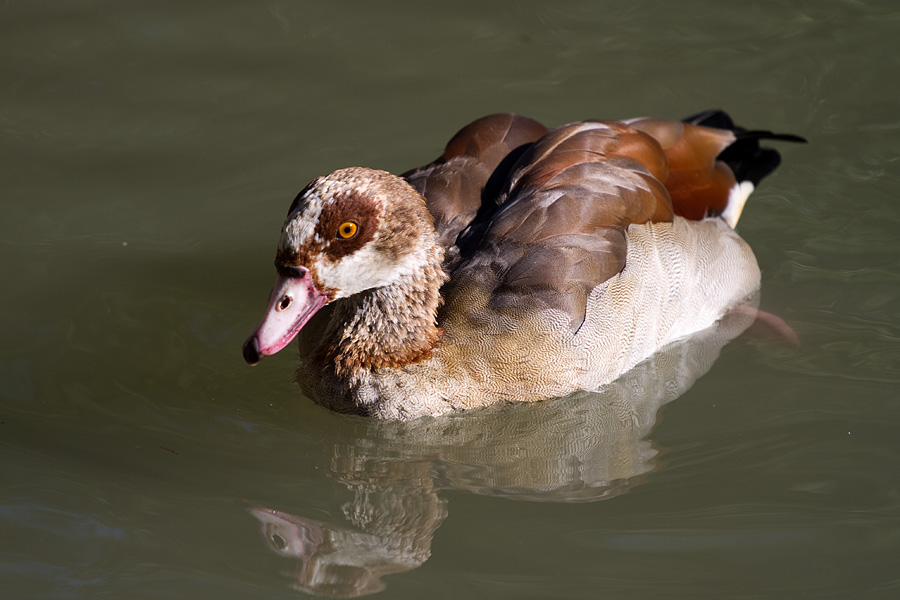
(523, 264)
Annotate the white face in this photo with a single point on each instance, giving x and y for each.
(339, 240)
(366, 269)
(377, 254)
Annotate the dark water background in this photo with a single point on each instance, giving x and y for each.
(148, 153)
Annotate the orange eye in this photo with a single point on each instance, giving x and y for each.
(347, 230)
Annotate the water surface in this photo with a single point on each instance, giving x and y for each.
(149, 153)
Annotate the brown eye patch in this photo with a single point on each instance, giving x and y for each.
(347, 224)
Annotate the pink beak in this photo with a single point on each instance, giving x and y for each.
(293, 301)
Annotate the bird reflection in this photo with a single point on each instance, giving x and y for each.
(582, 448)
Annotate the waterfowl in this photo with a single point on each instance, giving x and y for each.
(522, 264)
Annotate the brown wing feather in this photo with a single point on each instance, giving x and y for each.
(698, 184)
(614, 170)
(564, 206)
(560, 228)
(457, 183)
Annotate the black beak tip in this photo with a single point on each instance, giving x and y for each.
(251, 350)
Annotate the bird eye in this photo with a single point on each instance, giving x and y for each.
(347, 230)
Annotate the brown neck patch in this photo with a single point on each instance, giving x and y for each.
(388, 327)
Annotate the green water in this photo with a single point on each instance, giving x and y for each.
(148, 154)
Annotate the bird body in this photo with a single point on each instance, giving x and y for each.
(523, 264)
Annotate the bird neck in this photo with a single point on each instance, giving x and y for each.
(387, 327)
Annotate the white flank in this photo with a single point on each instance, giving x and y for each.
(737, 198)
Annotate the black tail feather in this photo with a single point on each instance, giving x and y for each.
(746, 158)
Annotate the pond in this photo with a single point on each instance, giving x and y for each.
(150, 152)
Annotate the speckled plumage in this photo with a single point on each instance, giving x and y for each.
(521, 265)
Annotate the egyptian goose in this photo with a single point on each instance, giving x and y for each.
(523, 264)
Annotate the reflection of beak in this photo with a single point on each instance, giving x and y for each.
(293, 301)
